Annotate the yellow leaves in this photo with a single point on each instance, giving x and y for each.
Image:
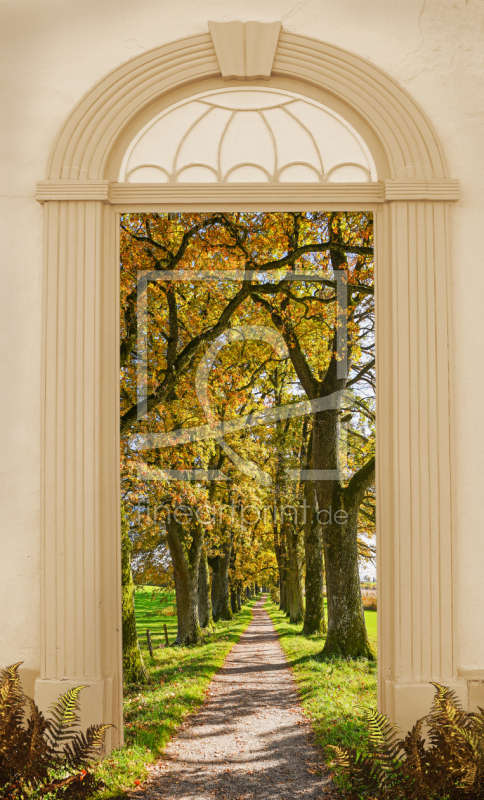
(247, 376)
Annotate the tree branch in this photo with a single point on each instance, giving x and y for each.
(303, 370)
(361, 373)
(184, 359)
(360, 481)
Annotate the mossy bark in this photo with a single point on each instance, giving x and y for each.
(220, 582)
(233, 600)
(281, 558)
(347, 634)
(338, 508)
(185, 543)
(283, 592)
(204, 593)
(233, 583)
(314, 618)
(134, 671)
(295, 595)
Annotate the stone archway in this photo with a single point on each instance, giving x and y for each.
(80, 614)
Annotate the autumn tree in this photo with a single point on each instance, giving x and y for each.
(178, 330)
(345, 235)
(183, 320)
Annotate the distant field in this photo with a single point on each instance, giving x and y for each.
(150, 603)
(370, 618)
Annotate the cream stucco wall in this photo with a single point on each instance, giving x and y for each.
(52, 53)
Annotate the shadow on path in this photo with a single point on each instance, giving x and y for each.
(250, 739)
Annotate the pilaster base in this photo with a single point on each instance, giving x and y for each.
(408, 702)
(96, 702)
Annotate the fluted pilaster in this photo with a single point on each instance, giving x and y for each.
(414, 458)
(80, 601)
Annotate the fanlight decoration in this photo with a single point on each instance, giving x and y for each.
(247, 135)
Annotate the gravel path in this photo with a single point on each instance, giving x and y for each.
(250, 739)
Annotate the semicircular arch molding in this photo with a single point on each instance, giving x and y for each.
(89, 136)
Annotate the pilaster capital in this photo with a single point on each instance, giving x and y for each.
(72, 190)
(446, 190)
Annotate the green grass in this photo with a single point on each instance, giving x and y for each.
(332, 692)
(179, 680)
(370, 618)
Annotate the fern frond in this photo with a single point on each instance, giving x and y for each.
(64, 717)
(12, 734)
(472, 739)
(448, 694)
(469, 779)
(343, 758)
(362, 773)
(476, 722)
(10, 683)
(83, 748)
(446, 707)
(33, 762)
(452, 767)
(38, 747)
(414, 749)
(383, 737)
(96, 735)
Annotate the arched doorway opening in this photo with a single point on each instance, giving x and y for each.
(83, 198)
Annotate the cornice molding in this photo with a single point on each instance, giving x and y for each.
(246, 193)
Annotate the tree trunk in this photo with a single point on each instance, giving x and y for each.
(134, 670)
(220, 583)
(233, 582)
(185, 550)
(283, 591)
(233, 600)
(346, 624)
(347, 636)
(314, 619)
(204, 593)
(296, 602)
(286, 596)
(281, 558)
(239, 598)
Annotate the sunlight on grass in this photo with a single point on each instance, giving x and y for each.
(179, 679)
(332, 692)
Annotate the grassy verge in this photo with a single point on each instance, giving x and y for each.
(332, 692)
(179, 679)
